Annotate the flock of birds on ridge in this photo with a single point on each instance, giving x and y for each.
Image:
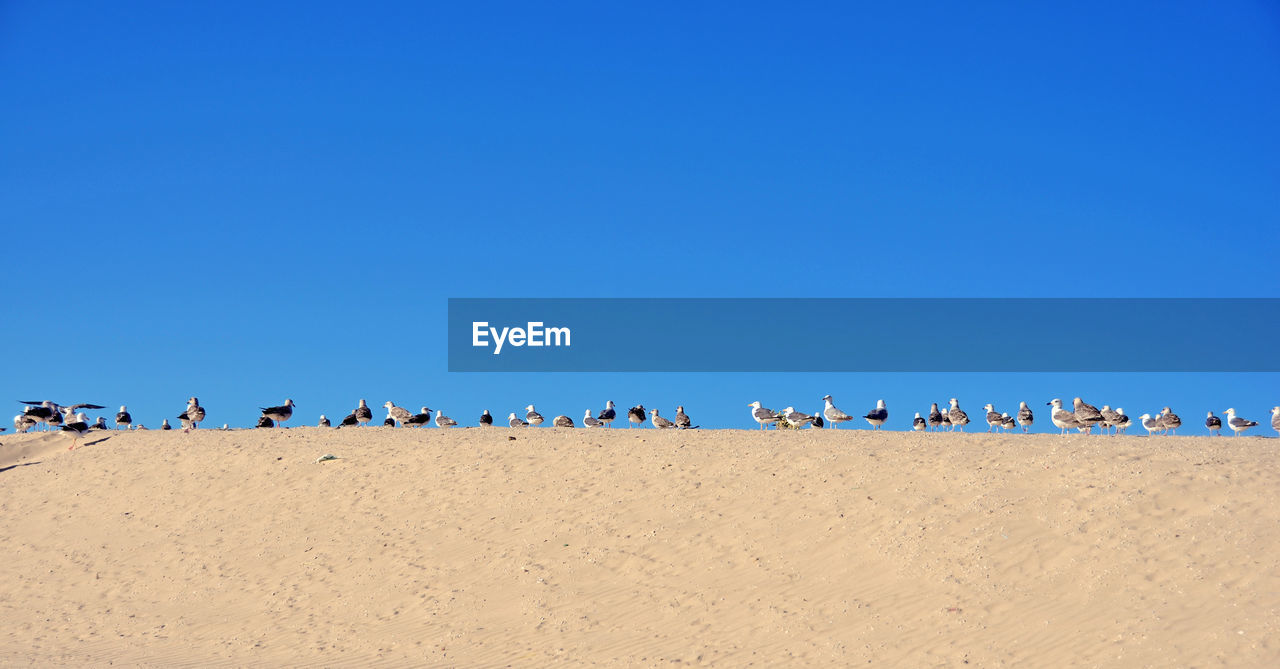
(1083, 417)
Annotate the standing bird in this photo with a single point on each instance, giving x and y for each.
(1169, 421)
(41, 413)
(185, 420)
(1007, 422)
(1025, 417)
(195, 412)
(591, 421)
(444, 421)
(395, 413)
(1214, 424)
(164, 425)
(533, 417)
(324, 422)
(1121, 421)
(22, 423)
(388, 422)
(1234, 422)
(562, 421)
(1087, 415)
(660, 422)
(1109, 418)
(919, 424)
(77, 427)
(1275, 419)
(350, 421)
(946, 421)
(833, 415)
(486, 420)
(607, 414)
(278, 414)
(1061, 417)
(682, 419)
(1152, 425)
(123, 419)
(817, 420)
(764, 416)
(55, 420)
(795, 418)
(515, 422)
(959, 418)
(363, 414)
(264, 421)
(877, 416)
(637, 415)
(100, 424)
(935, 416)
(417, 420)
(994, 420)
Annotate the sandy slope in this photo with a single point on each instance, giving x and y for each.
(630, 547)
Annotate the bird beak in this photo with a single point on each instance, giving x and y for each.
(1048, 404)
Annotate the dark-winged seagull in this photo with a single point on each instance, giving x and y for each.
(817, 421)
(486, 420)
(515, 422)
(877, 416)
(833, 415)
(324, 422)
(935, 416)
(958, 417)
(1236, 423)
(78, 426)
(350, 421)
(264, 421)
(1007, 422)
(1025, 417)
(1109, 418)
(185, 420)
(100, 424)
(389, 422)
(591, 421)
(762, 415)
(636, 415)
(531, 416)
(1213, 423)
(607, 414)
(919, 424)
(123, 419)
(363, 414)
(562, 421)
(164, 425)
(22, 423)
(195, 412)
(417, 420)
(278, 414)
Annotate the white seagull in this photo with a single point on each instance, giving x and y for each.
(833, 415)
(515, 422)
(591, 421)
(659, 421)
(1234, 422)
(444, 421)
(533, 417)
(795, 418)
(1061, 417)
(1150, 423)
(765, 416)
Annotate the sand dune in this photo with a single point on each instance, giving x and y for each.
(634, 547)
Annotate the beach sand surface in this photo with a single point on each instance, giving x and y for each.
(628, 547)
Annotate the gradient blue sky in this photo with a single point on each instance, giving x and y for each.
(253, 201)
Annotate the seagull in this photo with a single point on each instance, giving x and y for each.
(833, 415)
(388, 422)
(77, 427)
(363, 414)
(1234, 422)
(1109, 418)
(935, 416)
(532, 416)
(636, 415)
(444, 421)
(485, 419)
(562, 421)
(45, 410)
(55, 420)
(195, 412)
(264, 421)
(1152, 424)
(350, 420)
(1025, 417)
(164, 425)
(1275, 418)
(591, 421)
(1086, 414)
(1213, 423)
(395, 413)
(515, 422)
(795, 418)
(324, 422)
(765, 416)
(22, 423)
(660, 422)
(1061, 417)
(1007, 422)
(817, 420)
(958, 417)
(140, 426)
(878, 415)
(1121, 421)
(419, 419)
(100, 424)
(278, 414)
(185, 420)
(946, 420)
(918, 424)
(1169, 420)
(994, 420)
(42, 412)
(607, 414)
(682, 419)
(123, 419)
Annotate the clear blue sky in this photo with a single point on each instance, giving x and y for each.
(253, 201)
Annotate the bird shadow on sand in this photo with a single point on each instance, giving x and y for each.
(92, 443)
(20, 464)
